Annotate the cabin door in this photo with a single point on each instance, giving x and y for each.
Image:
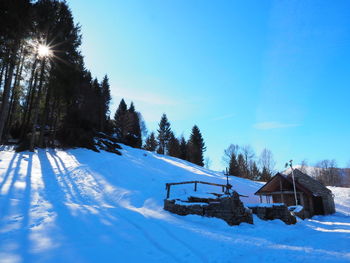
(318, 205)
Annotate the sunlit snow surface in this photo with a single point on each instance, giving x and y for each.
(81, 206)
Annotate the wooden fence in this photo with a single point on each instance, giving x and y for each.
(223, 186)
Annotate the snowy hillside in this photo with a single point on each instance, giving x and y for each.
(81, 206)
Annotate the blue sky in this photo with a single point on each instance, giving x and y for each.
(272, 74)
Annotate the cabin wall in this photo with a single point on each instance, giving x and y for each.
(303, 199)
(313, 197)
(328, 204)
(311, 206)
(288, 199)
(307, 204)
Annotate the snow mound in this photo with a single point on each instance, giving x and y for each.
(81, 206)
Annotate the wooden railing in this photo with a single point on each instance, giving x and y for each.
(223, 186)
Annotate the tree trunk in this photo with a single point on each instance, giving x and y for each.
(54, 126)
(15, 88)
(2, 72)
(45, 118)
(29, 100)
(6, 93)
(5, 67)
(36, 105)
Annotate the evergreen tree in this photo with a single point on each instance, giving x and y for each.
(255, 172)
(96, 117)
(105, 101)
(120, 120)
(54, 27)
(52, 95)
(233, 165)
(174, 146)
(14, 27)
(133, 136)
(151, 143)
(163, 134)
(132, 107)
(196, 147)
(242, 166)
(248, 154)
(183, 148)
(265, 174)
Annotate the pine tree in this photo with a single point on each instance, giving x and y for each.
(97, 118)
(58, 95)
(174, 146)
(133, 136)
(183, 148)
(196, 147)
(242, 166)
(105, 101)
(255, 172)
(120, 120)
(233, 165)
(163, 134)
(248, 154)
(151, 143)
(14, 26)
(265, 174)
(53, 94)
(62, 89)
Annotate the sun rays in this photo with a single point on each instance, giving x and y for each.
(44, 51)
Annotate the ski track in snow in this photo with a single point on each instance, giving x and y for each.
(82, 206)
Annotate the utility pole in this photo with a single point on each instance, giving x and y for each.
(290, 164)
(228, 186)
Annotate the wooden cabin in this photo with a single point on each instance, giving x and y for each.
(311, 194)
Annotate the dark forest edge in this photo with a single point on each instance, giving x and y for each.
(50, 99)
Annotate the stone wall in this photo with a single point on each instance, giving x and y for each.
(271, 212)
(229, 208)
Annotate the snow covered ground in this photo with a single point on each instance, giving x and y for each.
(81, 206)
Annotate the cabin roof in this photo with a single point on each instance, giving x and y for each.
(303, 183)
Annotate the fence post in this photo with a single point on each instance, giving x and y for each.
(168, 191)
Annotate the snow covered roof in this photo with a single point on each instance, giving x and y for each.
(303, 183)
(310, 183)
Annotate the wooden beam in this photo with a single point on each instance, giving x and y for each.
(199, 182)
(302, 200)
(223, 186)
(278, 192)
(168, 191)
(281, 189)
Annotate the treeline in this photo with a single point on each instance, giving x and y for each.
(328, 173)
(242, 161)
(165, 142)
(48, 98)
(47, 94)
(130, 129)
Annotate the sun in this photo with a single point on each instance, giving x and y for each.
(44, 51)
